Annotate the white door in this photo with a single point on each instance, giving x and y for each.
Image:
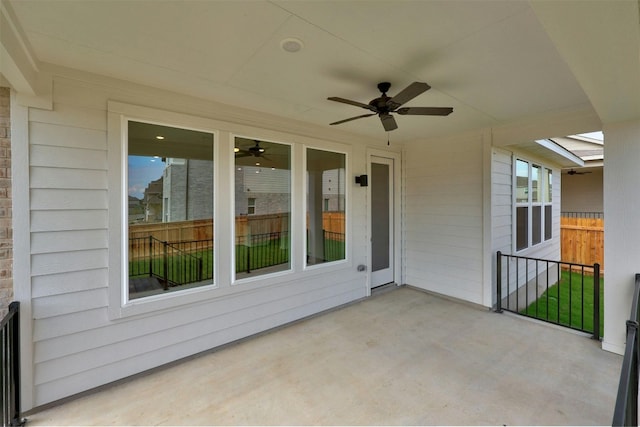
(382, 221)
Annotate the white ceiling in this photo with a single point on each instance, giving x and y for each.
(492, 61)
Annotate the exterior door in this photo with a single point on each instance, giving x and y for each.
(382, 221)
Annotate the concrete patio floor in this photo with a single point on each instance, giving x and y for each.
(402, 357)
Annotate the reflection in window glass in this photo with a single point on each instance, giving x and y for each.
(522, 227)
(548, 194)
(262, 207)
(325, 189)
(536, 225)
(522, 181)
(170, 209)
(547, 222)
(536, 184)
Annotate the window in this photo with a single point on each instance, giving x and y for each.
(170, 209)
(325, 189)
(533, 209)
(547, 204)
(263, 241)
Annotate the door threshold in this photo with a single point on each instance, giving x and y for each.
(384, 288)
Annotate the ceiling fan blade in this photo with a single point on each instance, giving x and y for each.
(352, 118)
(350, 102)
(407, 94)
(242, 153)
(425, 111)
(388, 122)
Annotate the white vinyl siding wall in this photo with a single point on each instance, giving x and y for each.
(76, 346)
(502, 200)
(503, 218)
(444, 217)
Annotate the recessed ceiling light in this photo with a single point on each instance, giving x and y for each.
(257, 163)
(291, 45)
(159, 137)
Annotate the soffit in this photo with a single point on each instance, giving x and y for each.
(490, 60)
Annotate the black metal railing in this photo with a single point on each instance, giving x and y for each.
(10, 369)
(173, 263)
(626, 409)
(257, 251)
(563, 293)
(180, 263)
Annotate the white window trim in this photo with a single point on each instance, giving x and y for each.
(224, 278)
(347, 197)
(530, 204)
(118, 116)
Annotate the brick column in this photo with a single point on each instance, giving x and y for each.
(6, 230)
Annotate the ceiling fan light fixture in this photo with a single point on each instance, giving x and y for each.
(291, 45)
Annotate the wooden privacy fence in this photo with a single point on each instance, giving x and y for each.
(202, 229)
(582, 239)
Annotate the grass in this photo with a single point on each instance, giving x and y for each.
(183, 267)
(569, 303)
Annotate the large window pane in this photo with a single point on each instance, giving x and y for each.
(170, 209)
(325, 188)
(522, 181)
(547, 222)
(536, 184)
(548, 196)
(262, 207)
(536, 225)
(522, 227)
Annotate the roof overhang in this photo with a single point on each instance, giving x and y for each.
(558, 154)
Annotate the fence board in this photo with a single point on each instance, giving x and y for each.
(582, 240)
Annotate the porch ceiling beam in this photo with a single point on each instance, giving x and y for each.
(18, 64)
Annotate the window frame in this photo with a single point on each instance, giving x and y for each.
(235, 280)
(119, 115)
(226, 284)
(347, 207)
(543, 201)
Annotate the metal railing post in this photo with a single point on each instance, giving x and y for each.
(499, 282)
(596, 301)
(150, 256)
(166, 267)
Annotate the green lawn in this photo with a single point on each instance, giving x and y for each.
(563, 303)
(184, 267)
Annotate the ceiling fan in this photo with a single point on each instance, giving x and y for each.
(575, 172)
(255, 151)
(384, 105)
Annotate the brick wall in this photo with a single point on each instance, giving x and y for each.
(6, 230)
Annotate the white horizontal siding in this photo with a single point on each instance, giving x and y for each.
(76, 346)
(68, 282)
(55, 199)
(63, 241)
(62, 262)
(501, 200)
(64, 178)
(64, 157)
(443, 217)
(60, 220)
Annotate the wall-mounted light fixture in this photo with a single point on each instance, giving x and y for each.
(363, 180)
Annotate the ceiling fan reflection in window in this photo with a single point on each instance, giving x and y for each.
(384, 105)
(575, 172)
(252, 150)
